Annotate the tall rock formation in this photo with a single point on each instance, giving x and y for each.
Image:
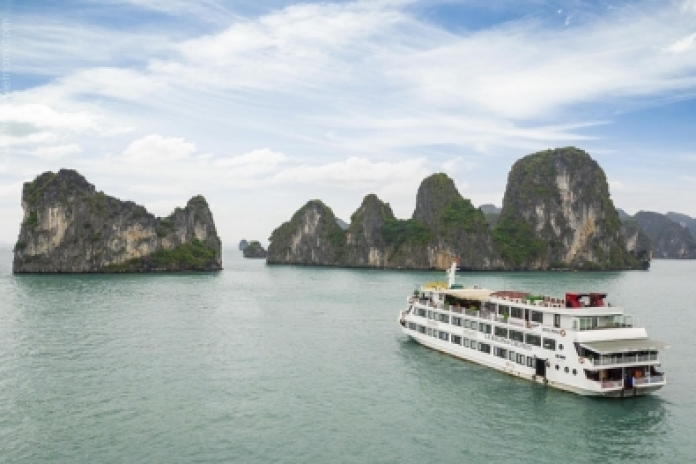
(70, 227)
(366, 245)
(669, 239)
(557, 213)
(444, 227)
(311, 237)
(637, 241)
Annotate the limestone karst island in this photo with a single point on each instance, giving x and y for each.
(68, 226)
(557, 214)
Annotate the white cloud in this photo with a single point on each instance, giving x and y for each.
(154, 149)
(689, 178)
(356, 173)
(56, 151)
(682, 45)
(43, 116)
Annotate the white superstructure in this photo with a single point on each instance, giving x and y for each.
(577, 344)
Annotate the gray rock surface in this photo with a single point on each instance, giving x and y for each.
(668, 239)
(68, 226)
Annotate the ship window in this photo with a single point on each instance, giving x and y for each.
(489, 306)
(421, 329)
(517, 336)
(430, 314)
(430, 331)
(466, 323)
(457, 339)
(457, 321)
(556, 366)
(443, 336)
(575, 372)
(566, 370)
(530, 361)
(443, 318)
(557, 321)
(537, 316)
(550, 344)
(500, 352)
(511, 355)
(533, 339)
(421, 312)
(516, 312)
(484, 347)
(520, 359)
(485, 328)
(501, 332)
(560, 347)
(465, 342)
(472, 344)
(412, 326)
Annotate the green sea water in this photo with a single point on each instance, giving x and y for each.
(260, 364)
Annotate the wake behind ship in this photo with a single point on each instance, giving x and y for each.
(579, 344)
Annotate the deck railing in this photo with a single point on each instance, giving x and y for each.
(624, 359)
(649, 380)
(612, 383)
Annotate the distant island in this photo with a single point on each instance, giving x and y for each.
(254, 250)
(70, 227)
(557, 214)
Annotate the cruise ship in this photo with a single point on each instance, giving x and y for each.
(578, 343)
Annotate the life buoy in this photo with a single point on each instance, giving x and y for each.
(562, 332)
(581, 360)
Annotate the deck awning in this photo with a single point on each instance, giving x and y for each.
(622, 346)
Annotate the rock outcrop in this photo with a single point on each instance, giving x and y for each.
(557, 213)
(668, 239)
(243, 244)
(637, 241)
(68, 226)
(684, 221)
(311, 237)
(254, 250)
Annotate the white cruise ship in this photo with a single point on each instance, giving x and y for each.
(579, 344)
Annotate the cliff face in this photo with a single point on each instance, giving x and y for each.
(444, 226)
(70, 227)
(311, 237)
(669, 239)
(254, 250)
(684, 221)
(557, 213)
(366, 245)
(637, 241)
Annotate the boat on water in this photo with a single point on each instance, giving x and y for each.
(579, 343)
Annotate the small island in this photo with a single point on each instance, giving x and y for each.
(254, 250)
(70, 227)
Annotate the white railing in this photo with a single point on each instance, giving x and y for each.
(649, 380)
(612, 383)
(607, 360)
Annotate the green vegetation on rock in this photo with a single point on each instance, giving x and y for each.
(191, 256)
(398, 231)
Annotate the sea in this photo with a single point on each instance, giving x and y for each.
(287, 364)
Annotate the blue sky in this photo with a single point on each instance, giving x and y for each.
(261, 106)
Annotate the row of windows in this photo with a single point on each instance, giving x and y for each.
(516, 335)
(483, 347)
(514, 311)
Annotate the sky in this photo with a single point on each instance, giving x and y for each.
(261, 106)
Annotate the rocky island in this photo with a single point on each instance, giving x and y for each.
(70, 227)
(254, 250)
(557, 214)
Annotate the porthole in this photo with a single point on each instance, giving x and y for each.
(575, 372)
(566, 370)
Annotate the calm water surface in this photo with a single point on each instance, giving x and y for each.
(261, 364)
